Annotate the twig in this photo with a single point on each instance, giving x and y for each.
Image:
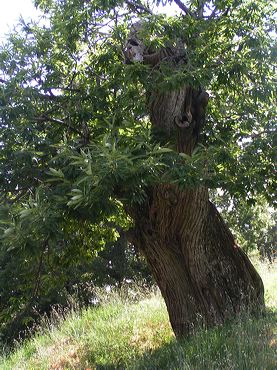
(224, 14)
(20, 195)
(58, 121)
(184, 8)
(138, 6)
(38, 274)
(200, 10)
(213, 13)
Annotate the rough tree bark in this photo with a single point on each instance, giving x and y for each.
(204, 277)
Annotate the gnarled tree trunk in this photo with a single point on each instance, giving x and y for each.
(204, 277)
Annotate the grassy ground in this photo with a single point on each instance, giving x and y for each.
(120, 334)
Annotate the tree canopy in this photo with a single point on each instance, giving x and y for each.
(77, 149)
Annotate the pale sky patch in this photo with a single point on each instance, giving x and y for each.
(10, 12)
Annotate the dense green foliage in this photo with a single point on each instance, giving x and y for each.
(76, 147)
(253, 225)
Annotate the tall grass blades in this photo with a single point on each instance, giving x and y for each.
(130, 330)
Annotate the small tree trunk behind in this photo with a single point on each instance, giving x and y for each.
(204, 277)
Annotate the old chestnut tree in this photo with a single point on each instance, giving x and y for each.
(117, 116)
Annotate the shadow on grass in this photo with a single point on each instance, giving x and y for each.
(247, 343)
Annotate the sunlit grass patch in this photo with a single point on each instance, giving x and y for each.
(132, 331)
(268, 271)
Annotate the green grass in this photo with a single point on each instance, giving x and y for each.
(124, 334)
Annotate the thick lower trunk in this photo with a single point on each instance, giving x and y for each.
(204, 277)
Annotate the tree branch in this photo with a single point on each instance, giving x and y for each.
(225, 13)
(200, 9)
(138, 6)
(213, 13)
(38, 274)
(183, 7)
(50, 97)
(44, 118)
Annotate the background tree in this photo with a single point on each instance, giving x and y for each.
(253, 225)
(87, 139)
